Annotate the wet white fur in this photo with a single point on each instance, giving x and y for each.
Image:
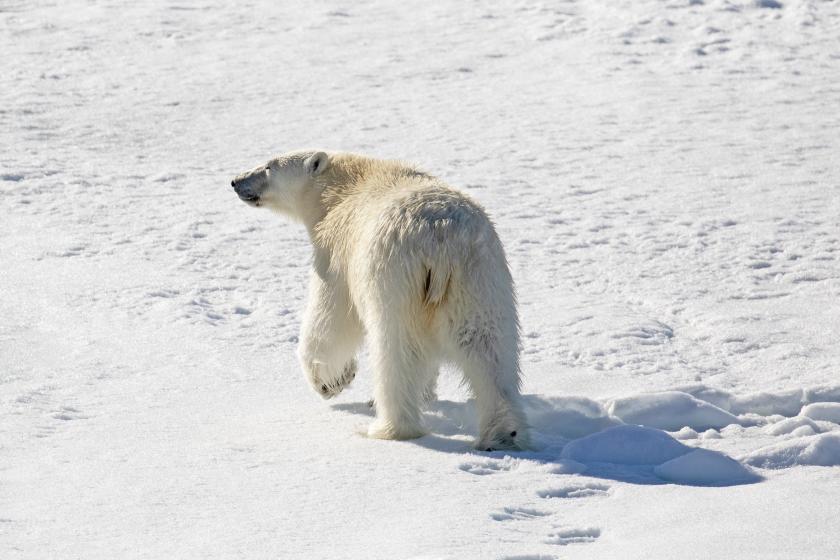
(417, 267)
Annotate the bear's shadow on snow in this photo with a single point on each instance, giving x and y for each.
(554, 422)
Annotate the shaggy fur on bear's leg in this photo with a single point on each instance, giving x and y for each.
(330, 336)
(430, 392)
(501, 420)
(401, 375)
(485, 346)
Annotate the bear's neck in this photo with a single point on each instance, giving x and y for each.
(311, 218)
(329, 190)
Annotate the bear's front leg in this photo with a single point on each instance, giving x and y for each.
(330, 335)
(327, 381)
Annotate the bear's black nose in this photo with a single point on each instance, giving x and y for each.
(233, 183)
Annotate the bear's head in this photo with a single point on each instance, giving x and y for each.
(283, 183)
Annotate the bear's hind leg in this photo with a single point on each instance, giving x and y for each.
(401, 376)
(430, 391)
(494, 381)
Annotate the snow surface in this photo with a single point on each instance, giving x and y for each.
(821, 450)
(705, 467)
(670, 410)
(829, 412)
(641, 447)
(663, 175)
(791, 425)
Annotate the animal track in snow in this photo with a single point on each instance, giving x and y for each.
(575, 491)
(565, 536)
(514, 513)
(67, 413)
(482, 468)
(651, 333)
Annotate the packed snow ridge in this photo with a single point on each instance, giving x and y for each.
(627, 437)
(671, 460)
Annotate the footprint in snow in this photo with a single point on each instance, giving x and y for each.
(516, 513)
(566, 536)
(575, 491)
(67, 413)
(483, 468)
(560, 536)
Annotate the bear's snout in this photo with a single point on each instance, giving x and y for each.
(247, 188)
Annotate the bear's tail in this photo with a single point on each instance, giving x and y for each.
(436, 285)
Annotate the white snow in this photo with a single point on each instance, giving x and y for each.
(823, 450)
(670, 410)
(663, 175)
(705, 467)
(829, 412)
(569, 417)
(786, 403)
(686, 433)
(625, 445)
(790, 425)
(671, 460)
(765, 403)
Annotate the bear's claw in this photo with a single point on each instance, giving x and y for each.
(331, 389)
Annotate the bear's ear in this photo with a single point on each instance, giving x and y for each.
(317, 163)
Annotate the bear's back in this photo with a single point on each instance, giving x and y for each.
(392, 209)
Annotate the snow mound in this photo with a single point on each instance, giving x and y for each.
(569, 417)
(786, 403)
(686, 433)
(822, 450)
(718, 397)
(826, 393)
(829, 412)
(670, 410)
(672, 461)
(625, 445)
(706, 468)
(798, 424)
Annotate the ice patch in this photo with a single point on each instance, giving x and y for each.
(821, 450)
(703, 467)
(670, 410)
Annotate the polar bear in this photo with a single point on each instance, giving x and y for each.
(414, 265)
